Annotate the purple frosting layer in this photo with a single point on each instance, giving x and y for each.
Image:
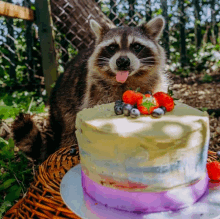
(147, 202)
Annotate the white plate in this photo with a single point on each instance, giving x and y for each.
(208, 207)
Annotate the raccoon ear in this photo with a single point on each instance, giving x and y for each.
(97, 28)
(154, 27)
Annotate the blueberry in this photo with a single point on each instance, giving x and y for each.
(148, 92)
(158, 113)
(134, 113)
(135, 106)
(218, 153)
(118, 110)
(118, 102)
(163, 108)
(126, 109)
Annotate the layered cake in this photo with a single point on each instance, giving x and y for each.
(143, 164)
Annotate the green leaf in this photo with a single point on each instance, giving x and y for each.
(11, 143)
(4, 207)
(138, 89)
(147, 102)
(3, 141)
(170, 92)
(7, 184)
(13, 195)
(207, 78)
(204, 109)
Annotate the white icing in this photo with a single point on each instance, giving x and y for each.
(146, 150)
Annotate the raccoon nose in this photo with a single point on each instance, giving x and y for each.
(123, 61)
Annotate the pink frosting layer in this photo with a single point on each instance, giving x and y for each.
(147, 202)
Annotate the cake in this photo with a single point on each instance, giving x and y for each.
(143, 164)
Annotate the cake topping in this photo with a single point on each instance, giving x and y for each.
(158, 112)
(118, 109)
(163, 108)
(148, 92)
(135, 113)
(156, 105)
(165, 100)
(127, 109)
(131, 96)
(147, 104)
(213, 169)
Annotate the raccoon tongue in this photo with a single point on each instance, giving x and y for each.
(122, 76)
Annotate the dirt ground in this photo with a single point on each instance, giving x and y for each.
(194, 92)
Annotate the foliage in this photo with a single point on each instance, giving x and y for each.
(204, 60)
(64, 50)
(20, 50)
(16, 174)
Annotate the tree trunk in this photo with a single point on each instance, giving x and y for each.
(11, 47)
(72, 18)
(198, 35)
(166, 30)
(182, 33)
(29, 41)
(148, 10)
(214, 29)
(43, 21)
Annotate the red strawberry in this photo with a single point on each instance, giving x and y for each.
(165, 100)
(213, 169)
(131, 97)
(147, 104)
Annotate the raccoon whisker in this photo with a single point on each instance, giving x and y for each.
(146, 66)
(103, 61)
(149, 63)
(147, 58)
(104, 58)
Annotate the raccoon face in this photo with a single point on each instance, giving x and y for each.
(128, 51)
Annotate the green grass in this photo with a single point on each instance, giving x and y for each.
(15, 175)
(16, 170)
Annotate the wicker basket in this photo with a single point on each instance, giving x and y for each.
(43, 198)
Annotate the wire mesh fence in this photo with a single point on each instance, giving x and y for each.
(71, 20)
(20, 54)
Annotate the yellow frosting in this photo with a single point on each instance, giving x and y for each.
(161, 153)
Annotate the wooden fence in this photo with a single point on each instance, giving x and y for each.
(43, 20)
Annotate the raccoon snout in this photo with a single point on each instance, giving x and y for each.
(123, 62)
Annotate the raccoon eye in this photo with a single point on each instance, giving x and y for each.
(137, 47)
(112, 47)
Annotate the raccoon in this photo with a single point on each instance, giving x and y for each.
(122, 58)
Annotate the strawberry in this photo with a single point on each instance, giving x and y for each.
(165, 100)
(147, 104)
(131, 97)
(213, 169)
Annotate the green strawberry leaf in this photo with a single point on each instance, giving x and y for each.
(147, 103)
(170, 92)
(138, 89)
